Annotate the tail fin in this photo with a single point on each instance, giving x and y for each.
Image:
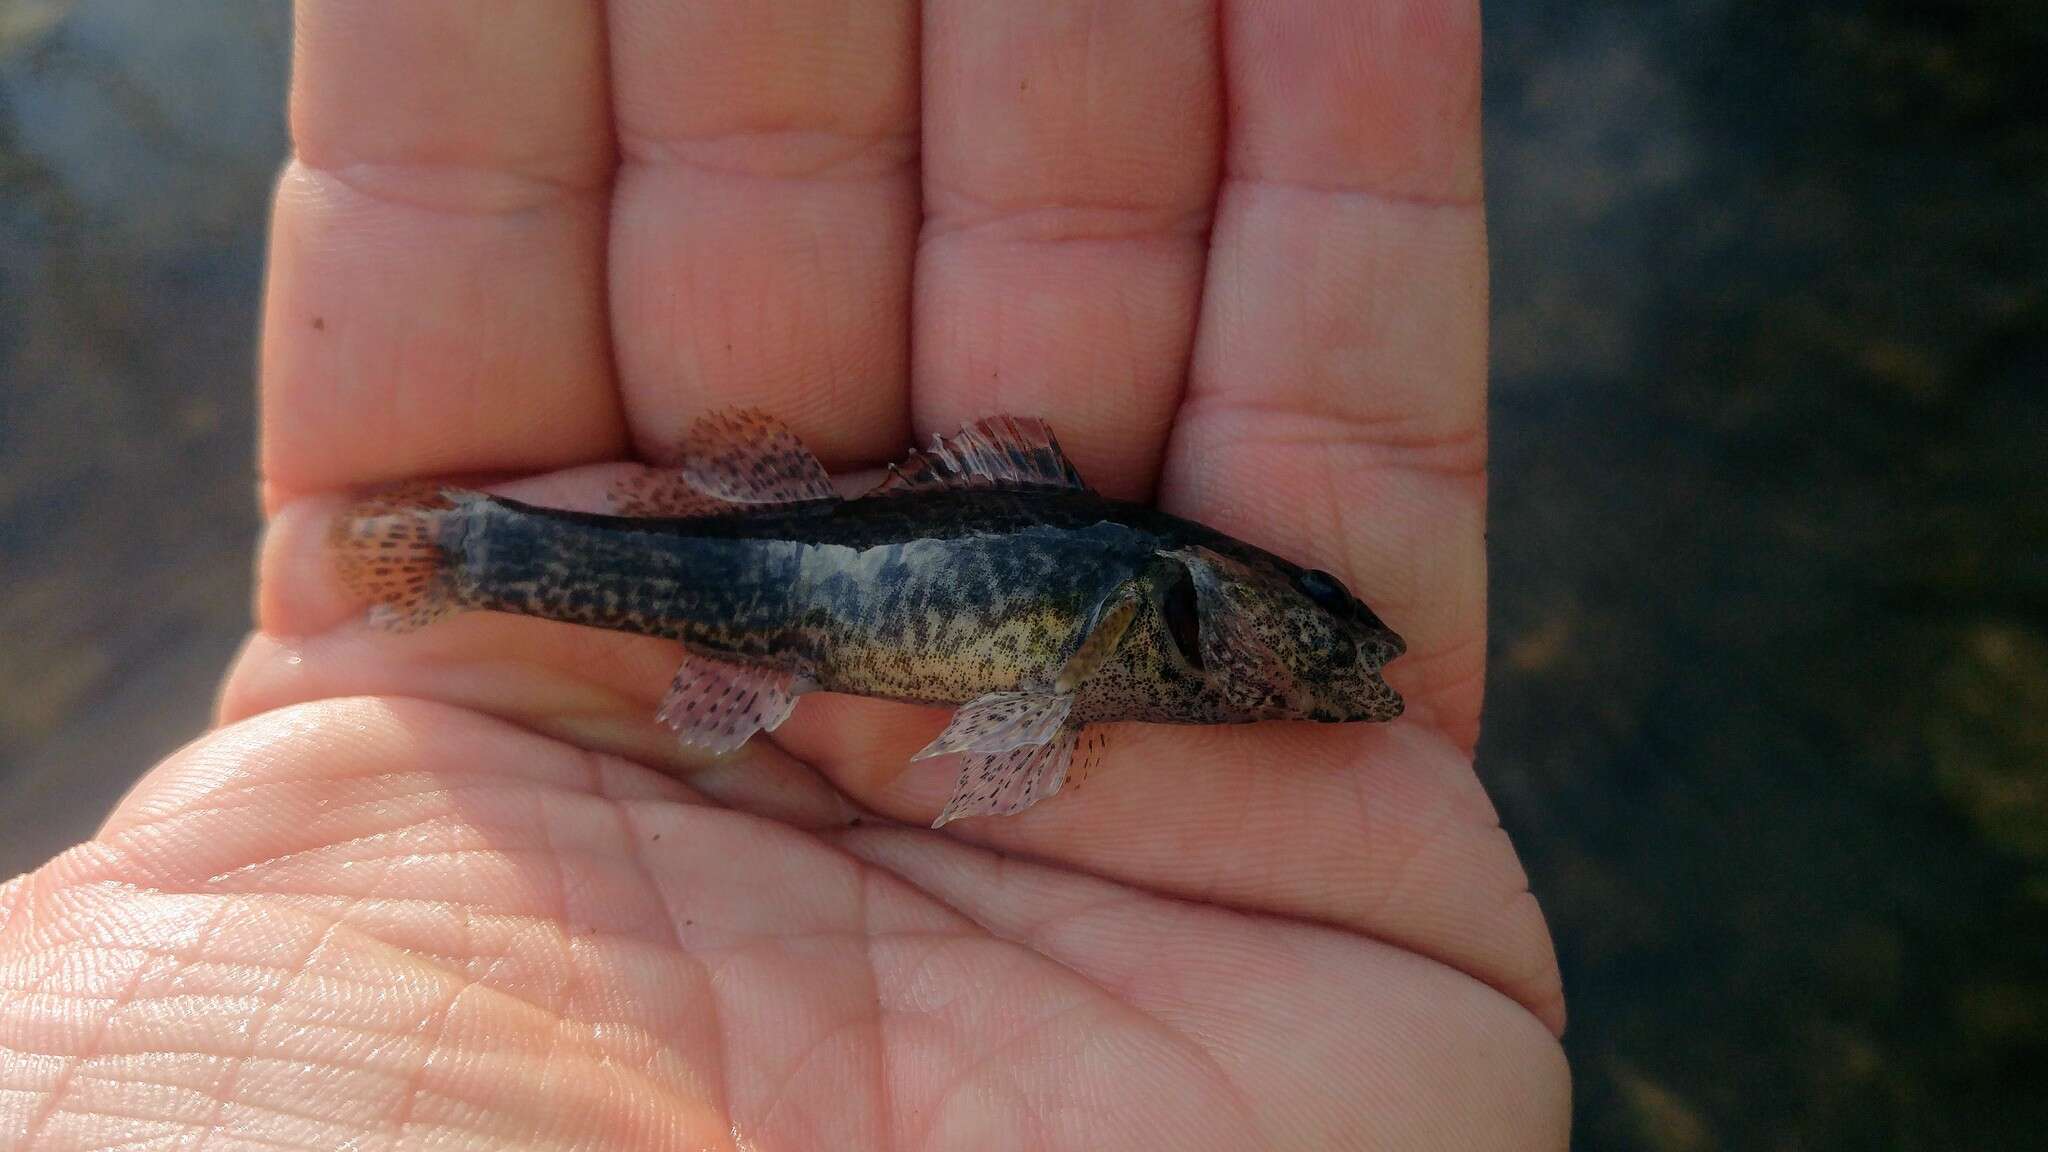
(388, 549)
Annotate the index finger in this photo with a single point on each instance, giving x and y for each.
(1336, 401)
(436, 294)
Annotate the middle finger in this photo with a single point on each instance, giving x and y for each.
(765, 215)
(1070, 158)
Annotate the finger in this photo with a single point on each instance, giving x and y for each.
(1336, 402)
(1377, 829)
(765, 216)
(1070, 160)
(436, 298)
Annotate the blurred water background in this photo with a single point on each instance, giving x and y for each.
(1769, 707)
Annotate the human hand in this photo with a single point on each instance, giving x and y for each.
(459, 886)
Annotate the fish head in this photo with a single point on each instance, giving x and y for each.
(1277, 641)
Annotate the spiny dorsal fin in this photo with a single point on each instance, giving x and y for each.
(730, 461)
(1000, 451)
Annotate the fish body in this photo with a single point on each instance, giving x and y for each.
(983, 574)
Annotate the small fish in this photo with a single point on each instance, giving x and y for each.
(982, 573)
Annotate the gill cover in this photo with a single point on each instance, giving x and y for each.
(1237, 660)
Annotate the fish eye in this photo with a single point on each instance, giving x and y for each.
(1324, 589)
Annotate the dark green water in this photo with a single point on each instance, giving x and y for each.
(1769, 709)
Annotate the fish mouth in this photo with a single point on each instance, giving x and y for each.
(1381, 648)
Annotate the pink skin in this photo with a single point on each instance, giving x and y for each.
(457, 886)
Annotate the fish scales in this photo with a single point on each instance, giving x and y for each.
(918, 599)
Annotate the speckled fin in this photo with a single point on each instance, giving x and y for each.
(730, 461)
(1001, 451)
(1003, 783)
(716, 705)
(387, 549)
(1001, 721)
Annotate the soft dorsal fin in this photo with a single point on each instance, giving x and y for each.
(730, 461)
(1000, 451)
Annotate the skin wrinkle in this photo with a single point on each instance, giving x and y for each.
(1194, 1046)
(798, 156)
(558, 881)
(1401, 864)
(838, 134)
(318, 852)
(167, 1128)
(1457, 453)
(564, 992)
(1353, 924)
(1028, 941)
(779, 1094)
(1065, 219)
(432, 1038)
(431, 784)
(1034, 942)
(1235, 178)
(720, 1079)
(479, 780)
(462, 191)
(224, 1090)
(635, 834)
(1519, 991)
(960, 1080)
(91, 1050)
(468, 982)
(863, 918)
(1431, 700)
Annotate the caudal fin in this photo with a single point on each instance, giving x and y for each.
(388, 549)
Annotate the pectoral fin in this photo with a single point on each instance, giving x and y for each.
(1001, 721)
(1016, 747)
(1111, 620)
(1002, 783)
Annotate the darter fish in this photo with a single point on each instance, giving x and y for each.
(982, 572)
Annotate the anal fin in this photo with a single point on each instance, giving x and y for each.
(717, 705)
(1008, 782)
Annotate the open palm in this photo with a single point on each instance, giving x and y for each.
(458, 886)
